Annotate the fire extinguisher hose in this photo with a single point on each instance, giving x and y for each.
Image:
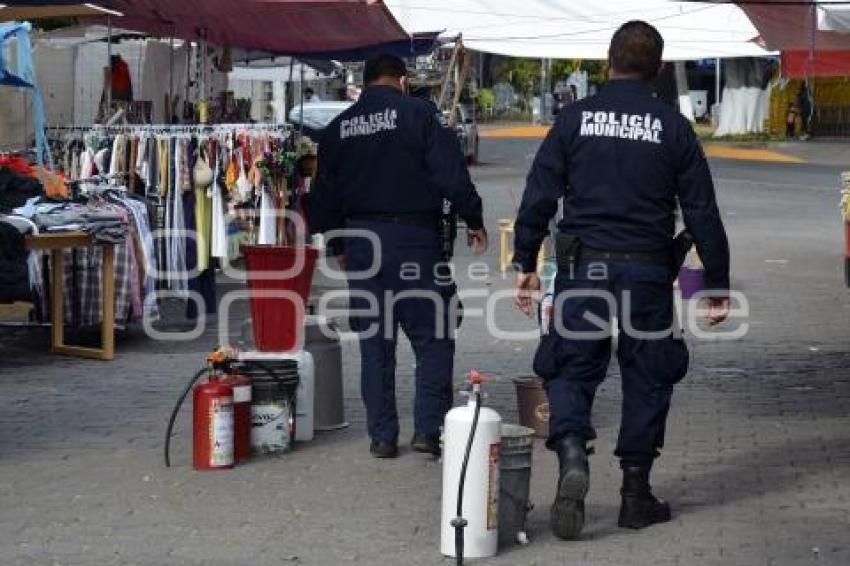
(176, 410)
(460, 523)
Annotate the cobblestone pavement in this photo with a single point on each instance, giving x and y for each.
(756, 465)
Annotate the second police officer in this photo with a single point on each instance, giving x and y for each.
(620, 161)
(385, 166)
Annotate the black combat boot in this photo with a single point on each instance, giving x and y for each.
(640, 508)
(427, 444)
(567, 515)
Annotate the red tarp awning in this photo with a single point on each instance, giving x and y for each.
(789, 26)
(795, 64)
(278, 26)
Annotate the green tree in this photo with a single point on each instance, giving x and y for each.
(486, 99)
(524, 74)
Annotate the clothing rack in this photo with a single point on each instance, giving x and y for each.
(97, 179)
(172, 128)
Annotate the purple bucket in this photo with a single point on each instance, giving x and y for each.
(691, 281)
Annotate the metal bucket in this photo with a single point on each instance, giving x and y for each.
(514, 483)
(271, 418)
(273, 385)
(532, 404)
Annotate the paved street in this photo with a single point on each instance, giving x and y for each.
(757, 463)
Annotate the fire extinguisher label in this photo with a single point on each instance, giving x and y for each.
(221, 433)
(242, 394)
(493, 487)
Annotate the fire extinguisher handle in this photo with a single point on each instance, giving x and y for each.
(176, 410)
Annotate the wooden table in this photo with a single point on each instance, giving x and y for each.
(57, 243)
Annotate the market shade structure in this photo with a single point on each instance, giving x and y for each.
(279, 26)
(582, 29)
(20, 10)
(417, 44)
(790, 26)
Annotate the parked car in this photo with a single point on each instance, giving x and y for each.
(467, 133)
(317, 116)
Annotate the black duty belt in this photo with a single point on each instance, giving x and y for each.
(423, 219)
(593, 254)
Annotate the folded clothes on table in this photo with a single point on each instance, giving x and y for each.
(105, 226)
(107, 232)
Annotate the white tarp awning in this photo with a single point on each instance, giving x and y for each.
(582, 29)
(834, 18)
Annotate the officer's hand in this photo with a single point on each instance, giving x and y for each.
(477, 240)
(718, 310)
(527, 292)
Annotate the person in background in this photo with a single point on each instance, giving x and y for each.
(121, 84)
(804, 103)
(791, 120)
(311, 96)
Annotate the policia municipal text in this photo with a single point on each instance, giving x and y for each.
(620, 161)
(387, 166)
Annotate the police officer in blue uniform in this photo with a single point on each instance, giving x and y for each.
(620, 161)
(386, 165)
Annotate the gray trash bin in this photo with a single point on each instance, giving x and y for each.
(322, 342)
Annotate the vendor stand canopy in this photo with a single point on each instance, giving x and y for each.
(582, 29)
(800, 25)
(277, 26)
(814, 38)
(17, 10)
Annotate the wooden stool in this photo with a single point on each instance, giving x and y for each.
(506, 230)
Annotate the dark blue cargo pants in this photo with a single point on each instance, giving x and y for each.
(403, 294)
(573, 359)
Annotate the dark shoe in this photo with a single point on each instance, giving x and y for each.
(639, 507)
(567, 515)
(426, 443)
(381, 449)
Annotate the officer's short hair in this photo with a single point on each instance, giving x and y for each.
(636, 48)
(384, 66)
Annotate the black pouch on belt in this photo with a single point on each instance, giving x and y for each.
(567, 252)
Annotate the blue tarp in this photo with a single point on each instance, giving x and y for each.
(23, 75)
(418, 44)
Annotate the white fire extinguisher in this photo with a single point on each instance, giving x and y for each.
(471, 448)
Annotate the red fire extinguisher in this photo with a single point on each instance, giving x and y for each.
(241, 386)
(212, 425)
(221, 421)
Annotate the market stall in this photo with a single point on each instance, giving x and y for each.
(189, 195)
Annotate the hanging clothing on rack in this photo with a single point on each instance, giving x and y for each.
(189, 177)
(109, 215)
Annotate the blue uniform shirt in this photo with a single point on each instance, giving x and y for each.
(620, 160)
(389, 153)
